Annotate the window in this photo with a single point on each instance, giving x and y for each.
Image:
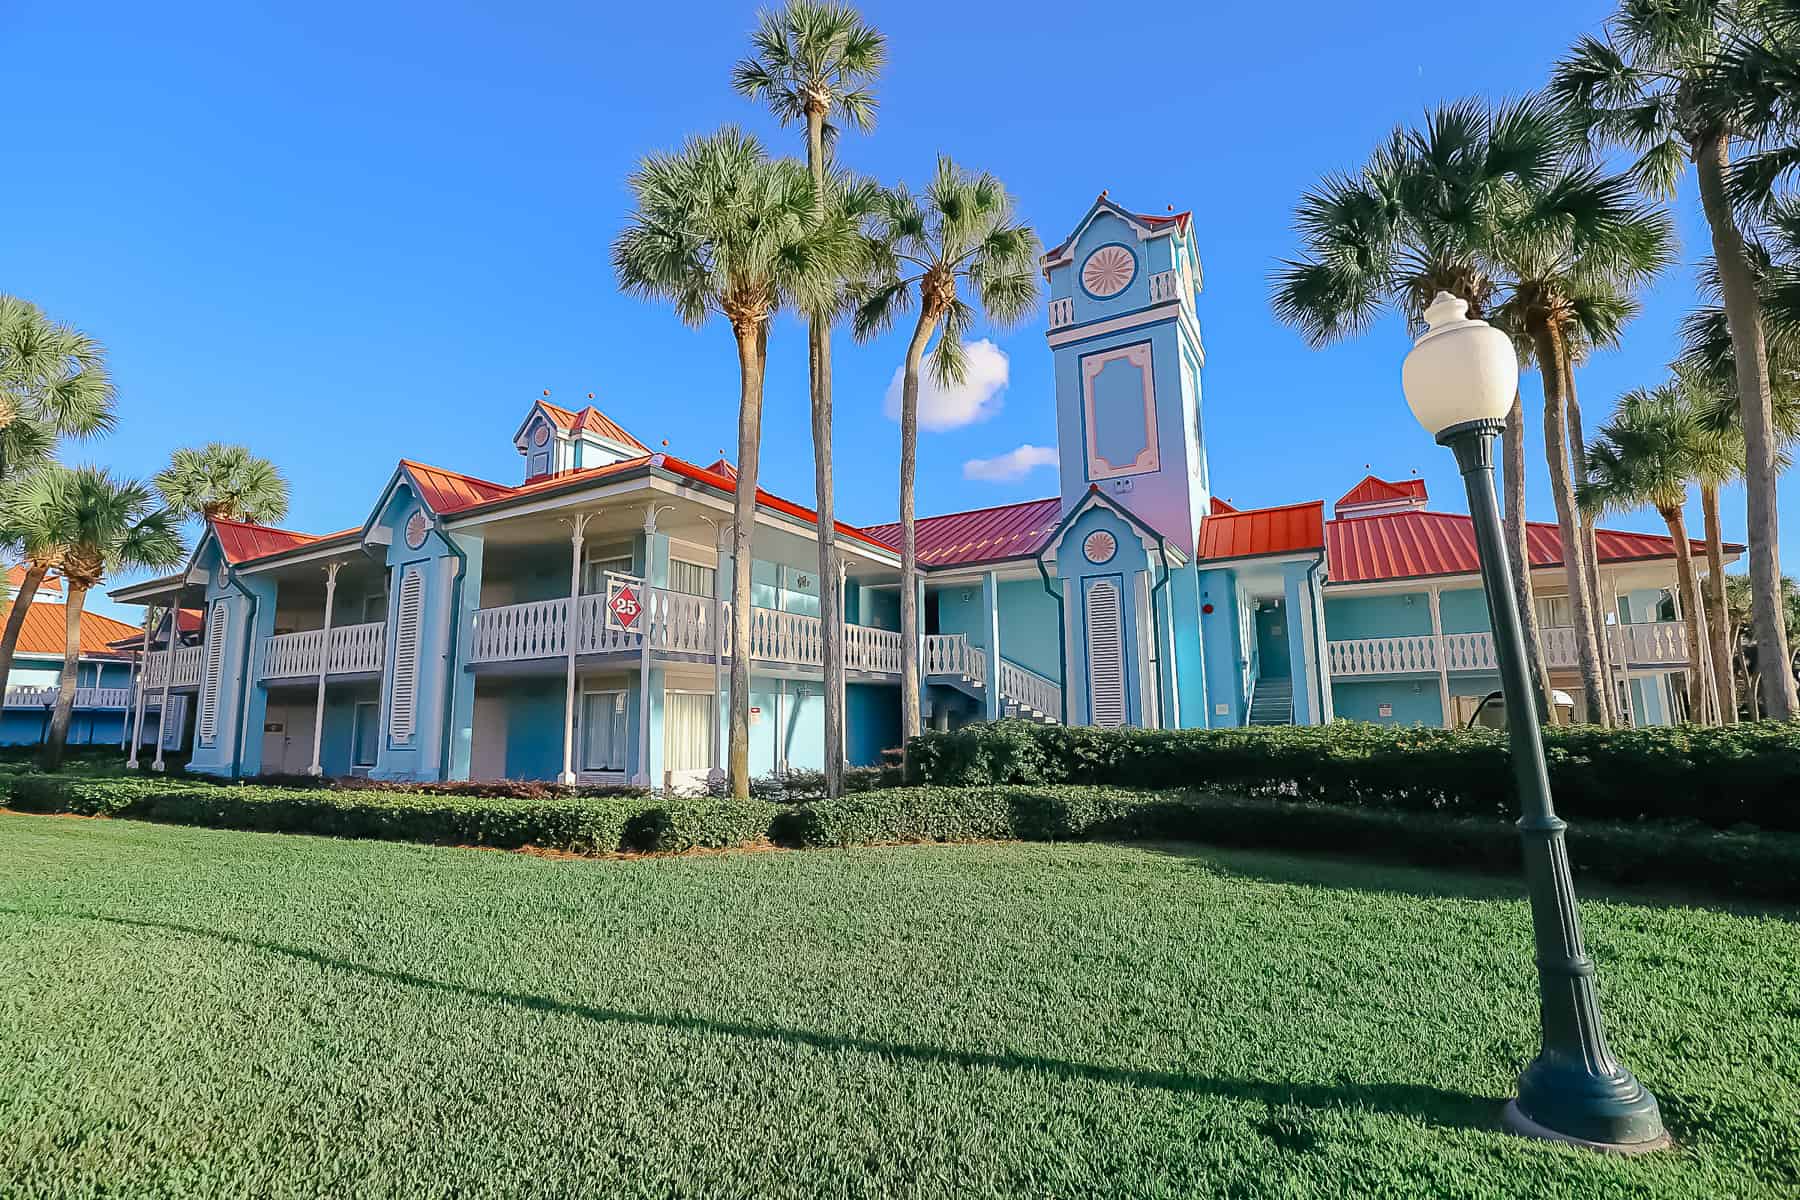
(404, 704)
(689, 728)
(601, 562)
(1106, 654)
(603, 731)
(691, 579)
(374, 607)
(1555, 612)
(364, 724)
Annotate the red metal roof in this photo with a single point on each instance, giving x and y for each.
(722, 467)
(1222, 505)
(1381, 491)
(450, 491)
(979, 535)
(591, 420)
(241, 541)
(15, 577)
(1253, 532)
(1410, 545)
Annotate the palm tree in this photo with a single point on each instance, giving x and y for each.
(1647, 454)
(1417, 219)
(1572, 249)
(722, 228)
(219, 480)
(812, 57)
(961, 227)
(1661, 83)
(102, 525)
(31, 530)
(53, 383)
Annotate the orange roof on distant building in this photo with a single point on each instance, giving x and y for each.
(1376, 491)
(42, 632)
(15, 578)
(591, 420)
(1255, 532)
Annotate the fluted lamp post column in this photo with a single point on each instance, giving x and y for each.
(1460, 380)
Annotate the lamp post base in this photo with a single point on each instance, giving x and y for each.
(1517, 1122)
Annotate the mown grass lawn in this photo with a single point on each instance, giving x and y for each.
(187, 1012)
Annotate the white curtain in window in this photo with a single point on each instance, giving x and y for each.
(598, 567)
(603, 739)
(690, 579)
(689, 727)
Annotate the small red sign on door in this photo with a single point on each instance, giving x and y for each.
(625, 607)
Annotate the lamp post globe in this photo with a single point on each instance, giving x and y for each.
(1461, 379)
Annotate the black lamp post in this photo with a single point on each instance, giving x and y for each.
(1461, 379)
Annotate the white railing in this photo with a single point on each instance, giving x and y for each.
(1029, 690)
(354, 648)
(951, 654)
(870, 649)
(1062, 312)
(87, 697)
(679, 624)
(1165, 285)
(1658, 643)
(187, 663)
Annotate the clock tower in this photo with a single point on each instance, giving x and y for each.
(1132, 457)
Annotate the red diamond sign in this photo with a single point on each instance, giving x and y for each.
(625, 606)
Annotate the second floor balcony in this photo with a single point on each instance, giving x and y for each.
(1653, 645)
(351, 650)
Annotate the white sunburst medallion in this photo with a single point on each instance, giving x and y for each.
(1108, 271)
(417, 526)
(1099, 546)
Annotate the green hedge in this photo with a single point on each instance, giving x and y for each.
(1722, 777)
(577, 824)
(1752, 864)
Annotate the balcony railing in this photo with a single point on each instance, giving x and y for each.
(951, 654)
(1035, 693)
(679, 624)
(87, 697)
(187, 663)
(1645, 645)
(354, 649)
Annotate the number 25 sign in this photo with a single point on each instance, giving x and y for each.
(624, 604)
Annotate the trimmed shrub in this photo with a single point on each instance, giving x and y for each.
(1694, 857)
(1721, 777)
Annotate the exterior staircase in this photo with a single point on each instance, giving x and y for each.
(951, 662)
(1272, 702)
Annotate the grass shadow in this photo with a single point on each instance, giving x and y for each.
(1433, 1106)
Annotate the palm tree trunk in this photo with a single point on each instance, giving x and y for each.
(1589, 547)
(831, 600)
(910, 721)
(52, 757)
(1690, 612)
(1519, 550)
(1743, 315)
(1551, 356)
(15, 617)
(752, 346)
(1718, 620)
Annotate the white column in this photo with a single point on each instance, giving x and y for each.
(722, 543)
(577, 536)
(1437, 650)
(843, 619)
(135, 726)
(331, 574)
(162, 717)
(642, 776)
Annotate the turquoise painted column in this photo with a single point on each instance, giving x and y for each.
(1221, 646)
(460, 727)
(990, 628)
(1302, 656)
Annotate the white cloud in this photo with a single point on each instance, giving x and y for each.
(1014, 464)
(975, 399)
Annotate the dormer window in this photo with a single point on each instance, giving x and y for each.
(538, 460)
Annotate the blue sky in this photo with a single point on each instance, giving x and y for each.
(345, 233)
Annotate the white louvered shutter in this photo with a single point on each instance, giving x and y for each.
(210, 681)
(1106, 655)
(404, 704)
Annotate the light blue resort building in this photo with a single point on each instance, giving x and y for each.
(573, 623)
